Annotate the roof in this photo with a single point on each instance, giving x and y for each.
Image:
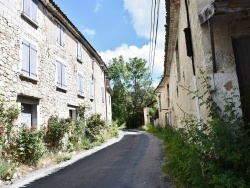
(108, 87)
(149, 103)
(222, 7)
(171, 27)
(58, 13)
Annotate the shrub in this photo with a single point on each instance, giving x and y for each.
(30, 147)
(94, 127)
(56, 130)
(78, 131)
(86, 143)
(6, 170)
(213, 152)
(8, 134)
(63, 157)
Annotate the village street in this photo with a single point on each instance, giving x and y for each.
(136, 161)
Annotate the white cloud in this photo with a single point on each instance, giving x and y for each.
(98, 6)
(134, 51)
(140, 12)
(89, 32)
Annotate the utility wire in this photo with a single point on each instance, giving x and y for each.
(153, 36)
(156, 31)
(150, 39)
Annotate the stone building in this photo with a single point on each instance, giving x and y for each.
(211, 36)
(47, 67)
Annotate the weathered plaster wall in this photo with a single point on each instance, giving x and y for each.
(224, 81)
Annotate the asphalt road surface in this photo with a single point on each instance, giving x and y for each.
(134, 162)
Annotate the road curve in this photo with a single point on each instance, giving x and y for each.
(134, 162)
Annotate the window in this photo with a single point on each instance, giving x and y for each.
(80, 84)
(60, 35)
(30, 9)
(79, 51)
(61, 75)
(102, 94)
(29, 59)
(29, 111)
(72, 113)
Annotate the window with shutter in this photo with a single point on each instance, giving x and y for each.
(30, 9)
(61, 75)
(29, 59)
(60, 35)
(80, 85)
(79, 51)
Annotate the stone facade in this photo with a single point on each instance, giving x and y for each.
(46, 64)
(213, 53)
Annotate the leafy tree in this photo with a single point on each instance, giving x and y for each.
(131, 85)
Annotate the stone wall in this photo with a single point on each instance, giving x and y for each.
(52, 101)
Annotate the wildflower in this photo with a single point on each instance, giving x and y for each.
(33, 127)
(1, 126)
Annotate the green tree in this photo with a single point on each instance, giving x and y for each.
(131, 85)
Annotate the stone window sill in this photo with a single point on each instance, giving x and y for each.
(30, 21)
(34, 79)
(62, 89)
(79, 60)
(80, 95)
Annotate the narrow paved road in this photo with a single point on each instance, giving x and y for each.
(134, 162)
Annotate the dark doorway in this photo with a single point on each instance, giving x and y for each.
(241, 47)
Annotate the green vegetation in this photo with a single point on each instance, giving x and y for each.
(20, 145)
(209, 153)
(131, 85)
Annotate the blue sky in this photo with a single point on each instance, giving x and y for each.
(118, 27)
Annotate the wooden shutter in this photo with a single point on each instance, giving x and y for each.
(26, 57)
(59, 74)
(79, 50)
(63, 76)
(102, 94)
(80, 84)
(33, 9)
(26, 7)
(58, 33)
(61, 36)
(33, 60)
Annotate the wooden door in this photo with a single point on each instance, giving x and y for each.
(241, 48)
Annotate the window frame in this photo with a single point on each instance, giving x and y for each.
(27, 12)
(60, 84)
(79, 91)
(60, 34)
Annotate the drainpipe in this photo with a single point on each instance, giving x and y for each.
(189, 44)
(105, 94)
